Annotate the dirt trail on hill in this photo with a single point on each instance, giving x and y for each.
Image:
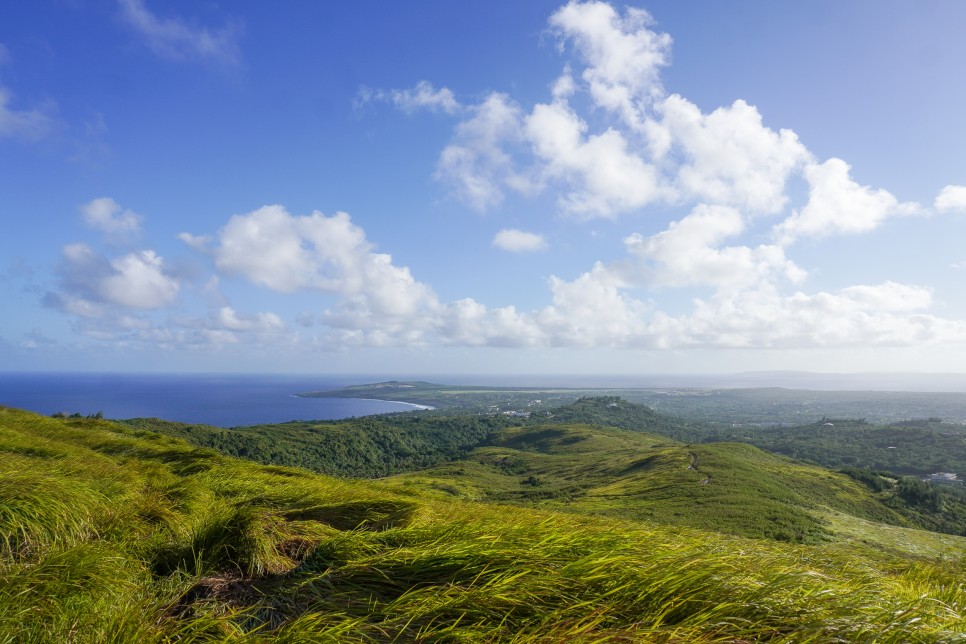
(693, 465)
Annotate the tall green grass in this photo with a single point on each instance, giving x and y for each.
(112, 536)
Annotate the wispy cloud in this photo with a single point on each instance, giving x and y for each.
(22, 123)
(424, 96)
(175, 39)
(28, 124)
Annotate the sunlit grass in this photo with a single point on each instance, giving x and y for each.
(113, 535)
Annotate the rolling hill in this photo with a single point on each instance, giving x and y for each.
(600, 455)
(726, 487)
(109, 533)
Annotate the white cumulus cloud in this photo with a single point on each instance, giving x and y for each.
(623, 56)
(423, 96)
(468, 323)
(519, 241)
(380, 304)
(854, 317)
(476, 164)
(689, 252)
(289, 253)
(602, 176)
(108, 216)
(92, 285)
(593, 311)
(230, 319)
(609, 141)
(138, 281)
(951, 199)
(727, 157)
(837, 205)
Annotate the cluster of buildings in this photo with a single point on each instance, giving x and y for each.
(943, 477)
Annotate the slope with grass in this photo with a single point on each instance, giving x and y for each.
(111, 534)
(736, 489)
(727, 487)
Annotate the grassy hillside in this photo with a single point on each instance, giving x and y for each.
(726, 487)
(111, 534)
(548, 460)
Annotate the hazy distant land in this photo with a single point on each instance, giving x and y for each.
(771, 405)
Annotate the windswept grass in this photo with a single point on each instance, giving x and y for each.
(726, 487)
(110, 535)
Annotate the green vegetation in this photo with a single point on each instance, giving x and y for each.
(388, 444)
(812, 426)
(725, 487)
(109, 533)
(562, 462)
(933, 507)
(912, 448)
(613, 411)
(363, 447)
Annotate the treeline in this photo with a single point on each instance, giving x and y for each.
(914, 450)
(940, 508)
(911, 448)
(367, 447)
(374, 446)
(614, 411)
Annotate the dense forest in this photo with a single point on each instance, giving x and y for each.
(915, 448)
(368, 447)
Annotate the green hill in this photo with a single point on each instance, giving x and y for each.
(726, 487)
(375, 446)
(112, 534)
(561, 461)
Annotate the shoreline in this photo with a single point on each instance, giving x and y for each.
(414, 406)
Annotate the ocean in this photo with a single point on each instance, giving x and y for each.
(214, 399)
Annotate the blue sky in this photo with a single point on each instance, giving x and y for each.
(499, 187)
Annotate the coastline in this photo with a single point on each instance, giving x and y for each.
(413, 406)
(221, 400)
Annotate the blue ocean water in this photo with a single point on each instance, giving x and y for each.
(220, 400)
